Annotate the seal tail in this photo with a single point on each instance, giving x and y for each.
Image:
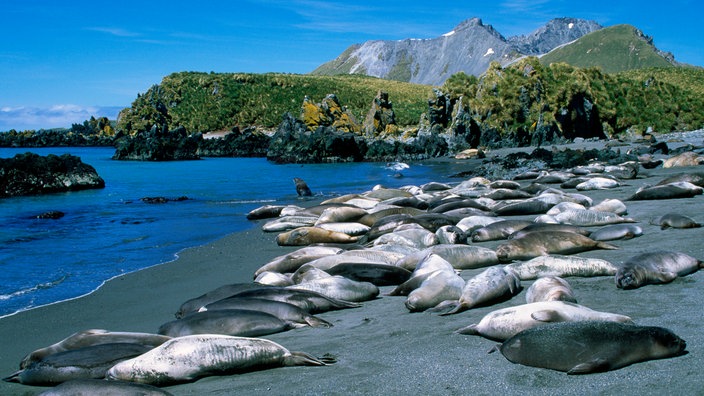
(15, 377)
(314, 321)
(469, 330)
(304, 359)
(606, 245)
(449, 307)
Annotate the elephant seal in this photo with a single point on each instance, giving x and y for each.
(504, 323)
(672, 190)
(541, 227)
(590, 346)
(378, 274)
(310, 301)
(303, 236)
(100, 387)
(543, 243)
(219, 293)
(491, 285)
(674, 220)
(234, 322)
(290, 262)
(499, 230)
(92, 337)
(265, 212)
(340, 287)
(284, 311)
(88, 362)
(550, 288)
(654, 268)
(302, 188)
(440, 286)
(188, 358)
(616, 231)
(688, 158)
(562, 266)
(586, 217)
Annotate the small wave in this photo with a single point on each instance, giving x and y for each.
(41, 286)
(247, 201)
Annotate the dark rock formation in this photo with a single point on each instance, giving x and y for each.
(51, 215)
(294, 143)
(380, 119)
(32, 174)
(328, 113)
(245, 143)
(158, 145)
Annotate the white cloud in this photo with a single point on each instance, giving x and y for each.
(119, 32)
(58, 116)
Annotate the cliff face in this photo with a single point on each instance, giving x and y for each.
(470, 48)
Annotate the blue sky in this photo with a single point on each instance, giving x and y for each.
(63, 61)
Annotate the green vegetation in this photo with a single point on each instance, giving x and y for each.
(203, 102)
(528, 94)
(613, 49)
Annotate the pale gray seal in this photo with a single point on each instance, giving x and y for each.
(590, 346)
(667, 191)
(504, 323)
(674, 220)
(550, 288)
(616, 231)
(489, 286)
(499, 230)
(440, 286)
(88, 362)
(188, 358)
(558, 265)
(655, 267)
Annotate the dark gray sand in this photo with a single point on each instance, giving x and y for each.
(382, 348)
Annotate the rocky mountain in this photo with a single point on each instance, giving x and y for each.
(470, 48)
(614, 49)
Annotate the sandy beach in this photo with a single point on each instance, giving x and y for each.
(381, 348)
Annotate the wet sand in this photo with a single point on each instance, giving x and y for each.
(382, 348)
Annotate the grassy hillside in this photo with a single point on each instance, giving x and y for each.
(613, 49)
(528, 94)
(204, 102)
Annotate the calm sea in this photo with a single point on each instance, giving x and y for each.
(109, 232)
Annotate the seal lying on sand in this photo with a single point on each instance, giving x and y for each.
(505, 323)
(543, 243)
(655, 267)
(89, 362)
(591, 346)
(550, 288)
(92, 337)
(188, 358)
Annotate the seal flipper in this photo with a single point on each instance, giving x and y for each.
(469, 330)
(547, 315)
(314, 321)
(448, 307)
(592, 366)
(304, 359)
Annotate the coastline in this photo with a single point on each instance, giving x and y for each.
(382, 348)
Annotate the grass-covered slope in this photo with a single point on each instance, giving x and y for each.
(613, 49)
(204, 102)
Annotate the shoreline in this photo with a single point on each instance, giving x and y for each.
(382, 348)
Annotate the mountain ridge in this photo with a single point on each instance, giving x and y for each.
(470, 48)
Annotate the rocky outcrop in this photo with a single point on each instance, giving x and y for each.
(239, 143)
(380, 120)
(32, 174)
(158, 145)
(328, 113)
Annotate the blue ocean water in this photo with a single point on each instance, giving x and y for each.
(110, 231)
